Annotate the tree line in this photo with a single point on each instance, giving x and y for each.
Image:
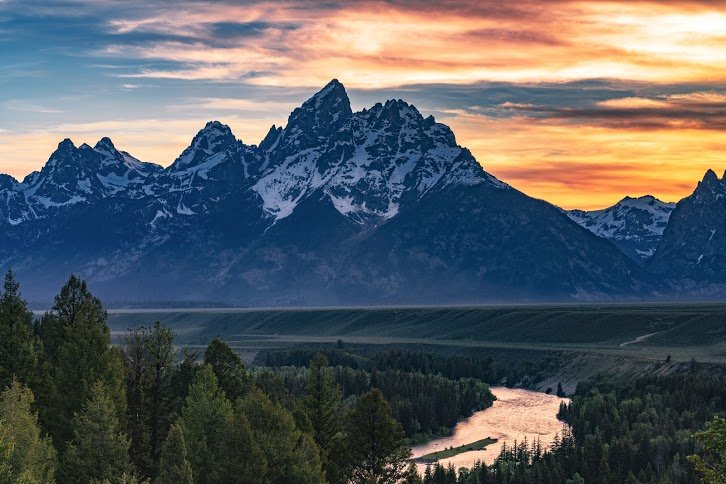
(424, 404)
(76, 409)
(453, 366)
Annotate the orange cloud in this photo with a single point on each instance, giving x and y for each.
(590, 166)
(375, 44)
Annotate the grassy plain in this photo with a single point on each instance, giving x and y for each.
(635, 331)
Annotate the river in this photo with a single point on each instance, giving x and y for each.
(516, 414)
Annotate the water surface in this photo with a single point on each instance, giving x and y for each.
(516, 414)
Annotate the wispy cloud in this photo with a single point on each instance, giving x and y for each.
(394, 43)
(27, 106)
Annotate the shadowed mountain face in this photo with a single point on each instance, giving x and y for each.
(377, 206)
(634, 225)
(692, 253)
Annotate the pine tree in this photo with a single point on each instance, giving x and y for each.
(204, 419)
(78, 349)
(228, 368)
(291, 455)
(148, 356)
(174, 466)
(99, 449)
(18, 355)
(33, 455)
(714, 442)
(241, 460)
(160, 354)
(134, 351)
(375, 441)
(322, 405)
(182, 377)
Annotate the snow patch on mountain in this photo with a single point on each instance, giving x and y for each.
(637, 222)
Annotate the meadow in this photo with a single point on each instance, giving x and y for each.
(652, 332)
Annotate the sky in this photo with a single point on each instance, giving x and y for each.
(577, 102)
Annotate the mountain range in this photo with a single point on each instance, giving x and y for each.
(379, 206)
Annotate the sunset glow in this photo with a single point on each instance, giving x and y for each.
(576, 102)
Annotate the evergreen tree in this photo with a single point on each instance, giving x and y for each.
(134, 351)
(375, 442)
(204, 420)
(99, 450)
(182, 377)
(160, 354)
(6, 451)
(322, 405)
(291, 455)
(148, 356)
(227, 365)
(78, 344)
(241, 459)
(714, 442)
(18, 355)
(33, 457)
(174, 466)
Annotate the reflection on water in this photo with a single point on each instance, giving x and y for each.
(516, 414)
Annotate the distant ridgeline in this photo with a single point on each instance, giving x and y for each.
(380, 206)
(75, 409)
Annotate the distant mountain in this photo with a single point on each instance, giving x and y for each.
(693, 249)
(379, 206)
(634, 225)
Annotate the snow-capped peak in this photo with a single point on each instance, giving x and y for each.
(214, 138)
(332, 95)
(367, 165)
(635, 224)
(317, 119)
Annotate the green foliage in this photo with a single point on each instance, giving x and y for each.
(99, 450)
(78, 349)
(375, 442)
(148, 357)
(204, 420)
(241, 460)
(713, 440)
(322, 406)
(291, 455)
(228, 367)
(6, 451)
(32, 458)
(18, 348)
(174, 467)
(425, 404)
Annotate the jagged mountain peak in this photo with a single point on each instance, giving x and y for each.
(213, 138)
(710, 177)
(104, 144)
(66, 143)
(320, 115)
(333, 93)
(7, 182)
(711, 185)
(270, 138)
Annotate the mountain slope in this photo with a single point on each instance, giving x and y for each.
(634, 225)
(336, 207)
(694, 243)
